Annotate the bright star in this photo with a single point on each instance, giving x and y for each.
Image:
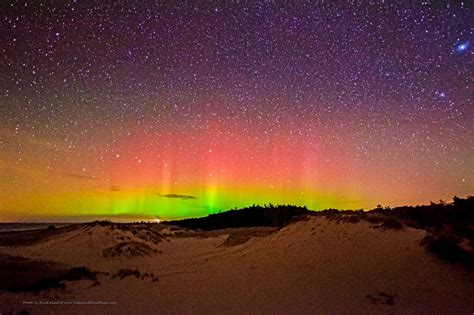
(441, 94)
(461, 47)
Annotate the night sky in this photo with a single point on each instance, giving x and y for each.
(170, 110)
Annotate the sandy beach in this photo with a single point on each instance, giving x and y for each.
(316, 265)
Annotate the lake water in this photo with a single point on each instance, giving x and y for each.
(5, 227)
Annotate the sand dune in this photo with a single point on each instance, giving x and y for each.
(315, 265)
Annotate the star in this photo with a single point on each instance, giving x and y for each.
(461, 47)
(441, 94)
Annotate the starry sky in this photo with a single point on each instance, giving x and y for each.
(167, 109)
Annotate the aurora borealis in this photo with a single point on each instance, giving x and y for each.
(175, 109)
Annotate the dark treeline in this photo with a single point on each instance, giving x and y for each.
(256, 215)
(459, 215)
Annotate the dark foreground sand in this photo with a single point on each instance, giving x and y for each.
(315, 265)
